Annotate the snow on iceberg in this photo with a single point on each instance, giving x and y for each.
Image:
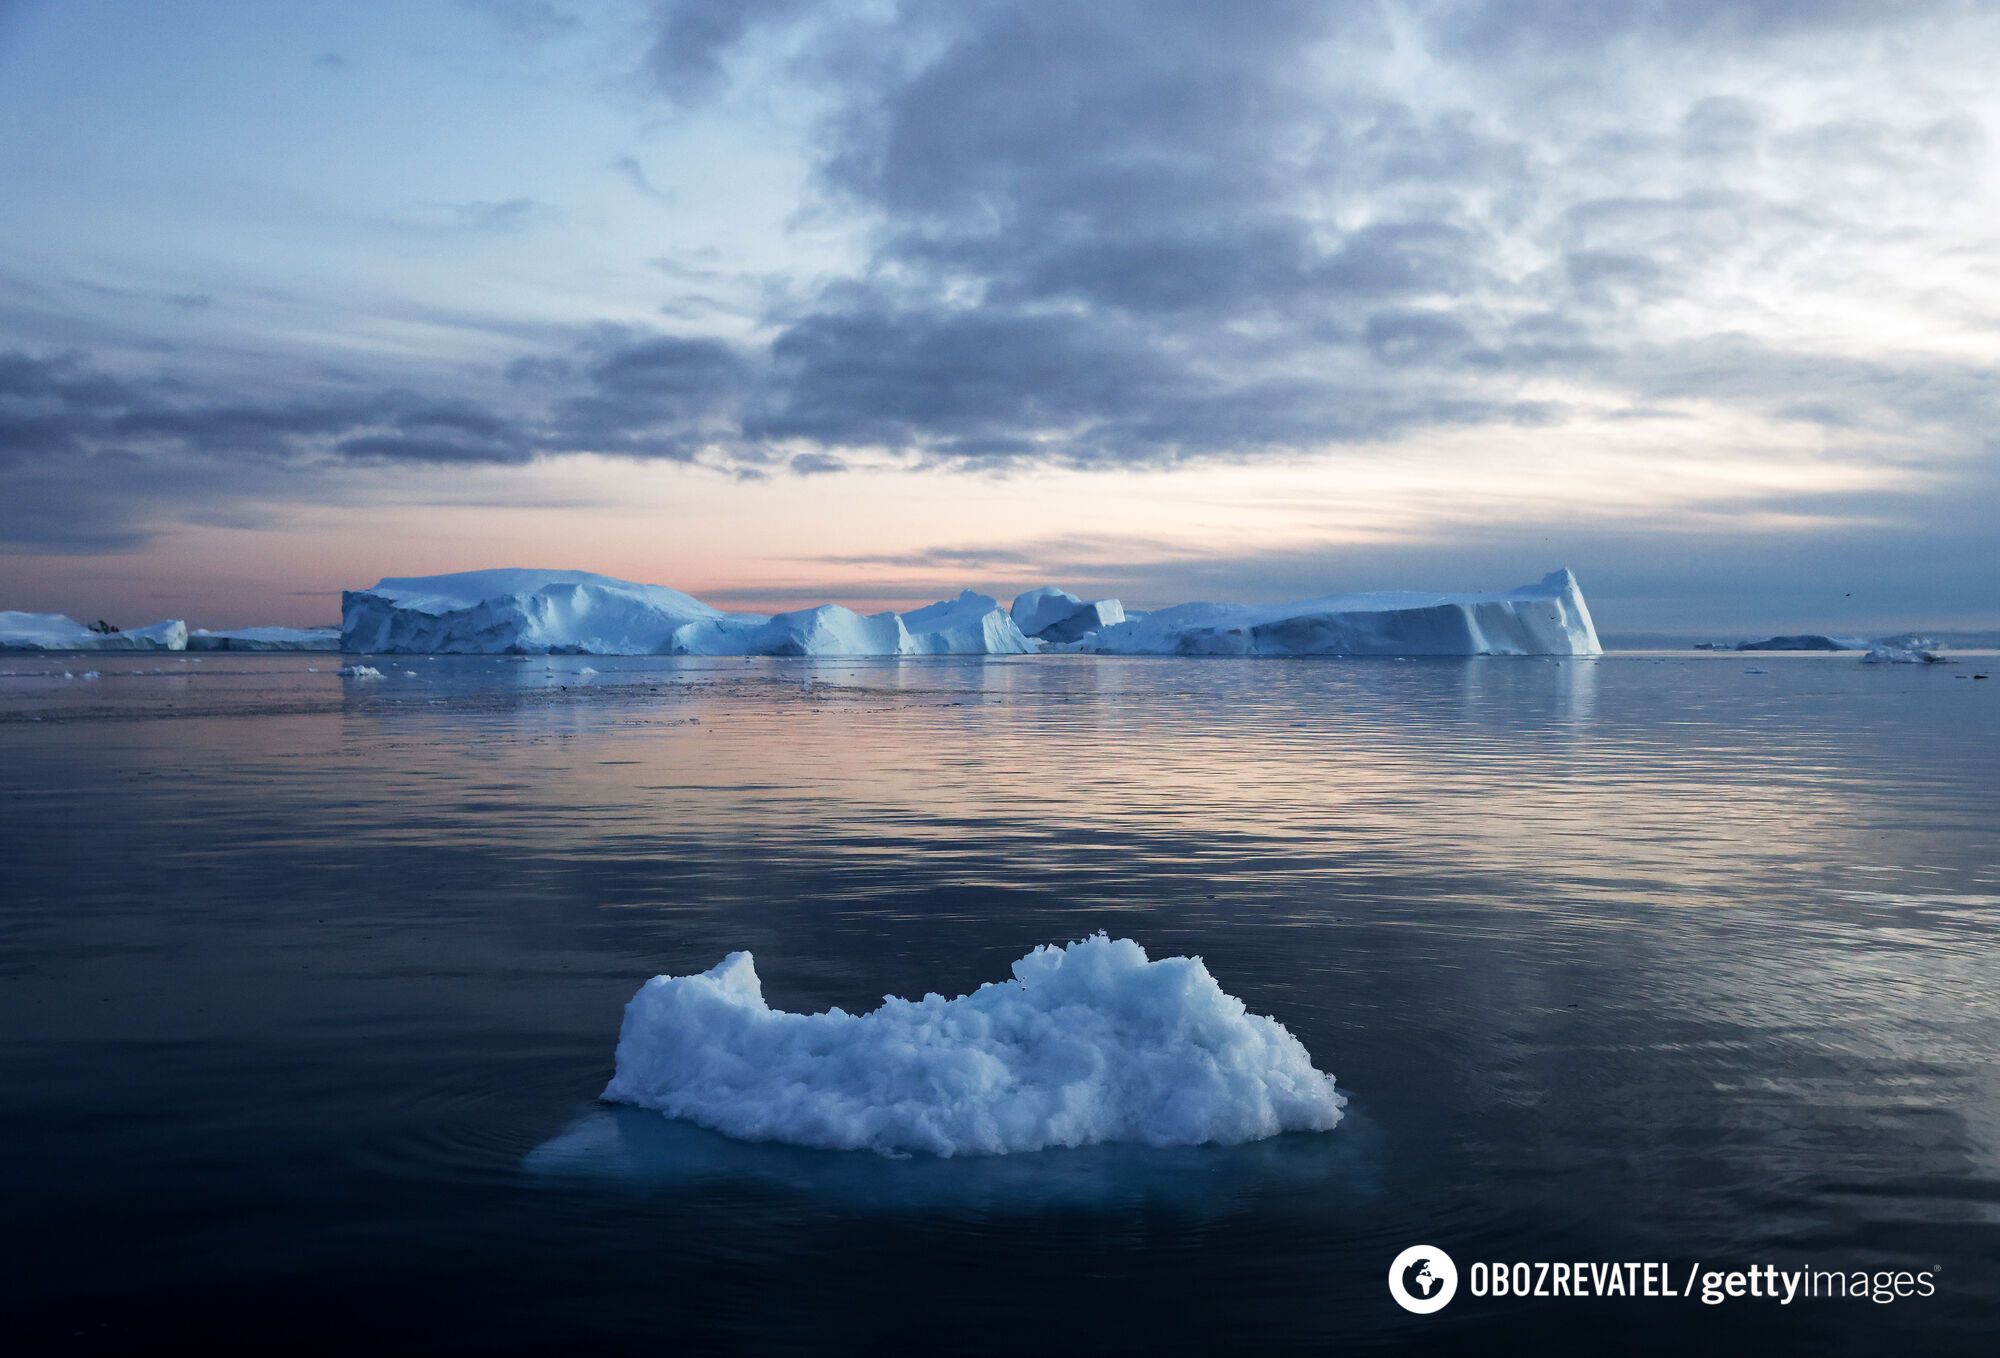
(265, 639)
(1545, 618)
(1059, 616)
(576, 612)
(1088, 1043)
(55, 632)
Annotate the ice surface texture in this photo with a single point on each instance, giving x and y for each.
(530, 611)
(1088, 1043)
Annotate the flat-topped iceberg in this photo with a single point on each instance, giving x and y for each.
(1545, 618)
(1088, 1043)
(55, 632)
(576, 612)
(265, 639)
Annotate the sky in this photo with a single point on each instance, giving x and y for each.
(783, 302)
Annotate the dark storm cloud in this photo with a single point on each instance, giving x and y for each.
(1134, 233)
(651, 396)
(87, 457)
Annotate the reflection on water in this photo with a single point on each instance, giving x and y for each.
(637, 1146)
(307, 988)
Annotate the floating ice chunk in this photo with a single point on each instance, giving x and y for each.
(1907, 649)
(1088, 1043)
(358, 672)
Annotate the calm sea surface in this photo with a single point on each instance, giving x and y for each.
(307, 989)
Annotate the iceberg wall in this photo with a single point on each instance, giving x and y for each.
(1088, 1043)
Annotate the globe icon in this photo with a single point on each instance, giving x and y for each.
(1420, 1280)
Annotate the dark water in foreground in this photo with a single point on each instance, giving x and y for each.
(307, 990)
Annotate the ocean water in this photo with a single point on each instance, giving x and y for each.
(308, 987)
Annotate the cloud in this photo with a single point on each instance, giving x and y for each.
(632, 172)
(693, 37)
(511, 214)
(1139, 234)
(532, 21)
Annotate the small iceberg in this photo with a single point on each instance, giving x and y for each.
(358, 672)
(1089, 1043)
(1908, 649)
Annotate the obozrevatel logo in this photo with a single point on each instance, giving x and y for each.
(1423, 1279)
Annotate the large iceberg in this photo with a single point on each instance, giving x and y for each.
(518, 611)
(1088, 1043)
(1545, 618)
(577, 612)
(55, 632)
(265, 639)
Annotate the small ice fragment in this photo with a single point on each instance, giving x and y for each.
(1088, 1043)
